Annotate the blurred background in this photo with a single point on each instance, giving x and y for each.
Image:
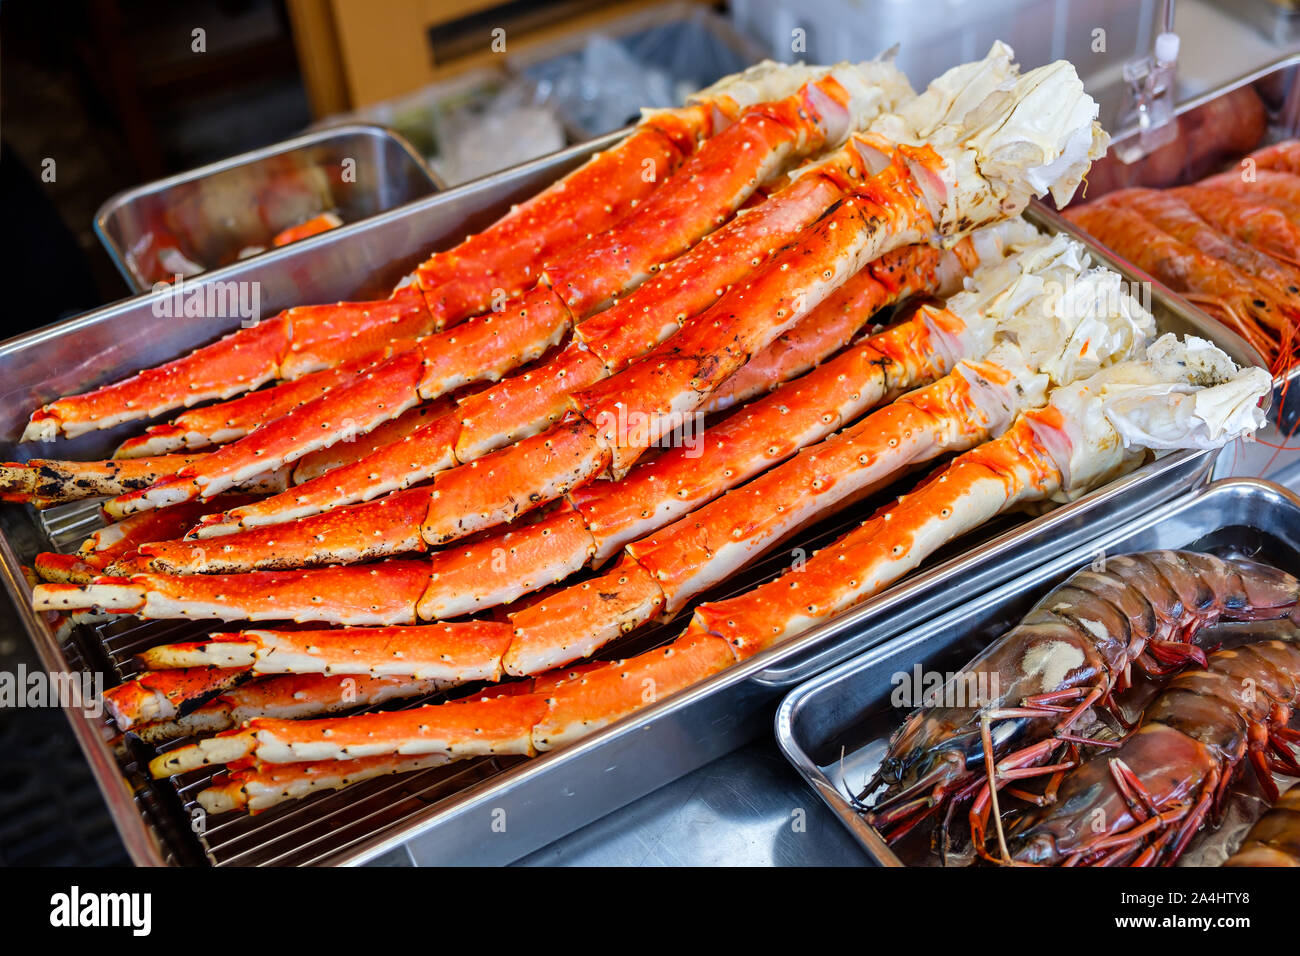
(101, 97)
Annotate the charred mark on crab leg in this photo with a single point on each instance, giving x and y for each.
(53, 481)
(160, 696)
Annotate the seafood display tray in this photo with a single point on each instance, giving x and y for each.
(196, 205)
(834, 728)
(455, 813)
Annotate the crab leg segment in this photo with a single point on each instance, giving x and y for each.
(374, 397)
(1089, 432)
(384, 593)
(49, 481)
(229, 421)
(703, 549)
(452, 653)
(259, 788)
(407, 461)
(705, 191)
(155, 697)
(513, 724)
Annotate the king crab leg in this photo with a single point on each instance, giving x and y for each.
(704, 191)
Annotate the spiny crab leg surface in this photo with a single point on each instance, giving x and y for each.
(1090, 431)
(524, 405)
(466, 493)
(708, 187)
(451, 286)
(1078, 439)
(1096, 327)
(616, 512)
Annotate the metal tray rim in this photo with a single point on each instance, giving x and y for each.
(301, 141)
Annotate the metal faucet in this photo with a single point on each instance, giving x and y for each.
(1149, 101)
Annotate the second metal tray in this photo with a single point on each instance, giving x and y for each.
(215, 211)
(835, 728)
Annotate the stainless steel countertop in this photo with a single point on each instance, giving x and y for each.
(747, 809)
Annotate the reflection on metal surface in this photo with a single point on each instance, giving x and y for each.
(747, 809)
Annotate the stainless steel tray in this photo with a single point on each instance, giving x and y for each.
(446, 815)
(217, 210)
(834, 728)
